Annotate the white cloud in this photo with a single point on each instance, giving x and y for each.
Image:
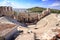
(14, 4)
(55, 4)
(8, 3)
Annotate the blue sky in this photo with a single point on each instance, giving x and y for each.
(31, 3)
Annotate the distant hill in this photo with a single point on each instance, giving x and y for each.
(40, 9)
(35, 9)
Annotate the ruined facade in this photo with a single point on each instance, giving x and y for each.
(32, 17)
(27, 17)
(6, 11)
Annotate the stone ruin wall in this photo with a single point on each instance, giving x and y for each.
(27, 17)
(32, 17)
(6, 11)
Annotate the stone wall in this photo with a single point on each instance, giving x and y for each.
(32, 17)
(27, 17)
(6, 11)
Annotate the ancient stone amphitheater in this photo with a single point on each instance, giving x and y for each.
(32, 18)
(47, 26)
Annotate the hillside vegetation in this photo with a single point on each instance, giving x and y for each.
(40, 9)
